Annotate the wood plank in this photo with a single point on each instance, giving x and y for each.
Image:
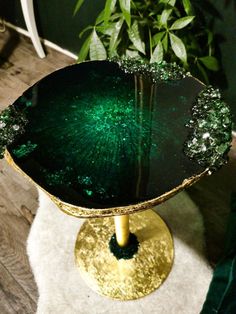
(54, 58)
(13, 297)
(22, 67)
(19, 68)
(13, 235)
(14, 184)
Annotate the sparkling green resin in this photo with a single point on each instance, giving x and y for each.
(100, 137)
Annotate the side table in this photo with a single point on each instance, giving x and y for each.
(109, 140)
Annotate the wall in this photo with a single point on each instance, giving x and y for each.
(55, 20)
(56, 23)
(226, 27)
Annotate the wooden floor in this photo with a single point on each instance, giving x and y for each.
(19, 68)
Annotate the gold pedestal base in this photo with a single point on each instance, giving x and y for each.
(125, 279)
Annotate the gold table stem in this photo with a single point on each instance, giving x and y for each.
(122, 229)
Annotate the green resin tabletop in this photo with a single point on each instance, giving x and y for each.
(98, 137)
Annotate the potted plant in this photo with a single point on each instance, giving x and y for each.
(172, 30)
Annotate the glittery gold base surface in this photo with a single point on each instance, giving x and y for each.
(125, 279)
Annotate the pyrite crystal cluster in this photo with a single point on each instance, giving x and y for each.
(12, 124)
(157, 71)
(211, 127)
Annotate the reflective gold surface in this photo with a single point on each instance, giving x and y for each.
(122, 229)
(125, 279)
(84, 212)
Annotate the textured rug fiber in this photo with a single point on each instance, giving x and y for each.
(62, 291)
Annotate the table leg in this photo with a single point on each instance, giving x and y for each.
(122, 230)
(28, 12)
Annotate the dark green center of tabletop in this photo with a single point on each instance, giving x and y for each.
(98, 137)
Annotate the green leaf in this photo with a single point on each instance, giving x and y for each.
(164, 16)
(209, 37)
(106, 29)
(210, 63)
(132, 53)
(116, 16)
(182, 22)
(84, 49)
(135, 38)
(187, 6)
(125, 8)
(157, 55)
(157, 37)
(78, 5)
(100, 18)
(165, 42)
(85, 30)
(109, 7)
(114, 36)
(178, 47)
(170, 2)
(150, 41)
(97, 50)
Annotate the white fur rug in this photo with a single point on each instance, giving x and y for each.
(61, 290)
